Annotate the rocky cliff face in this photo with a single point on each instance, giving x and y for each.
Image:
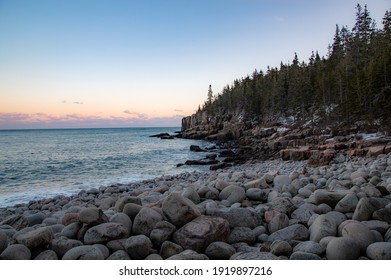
(222, 128)
(289, 141)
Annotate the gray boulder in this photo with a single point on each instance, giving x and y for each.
(47, 255)
(92, 216)
(310, 247)
(162, 231)
(323, 226)
(169, 249)
(239, 217)
(219, 250)
(342, 248)
(293, 232)
(331, 198)
(281, 248)
(35, 238)
(179, 210)
(3, 241)
(199, 233)
(241, 234)
(145, 221)
(233, 194)
(379, 251)
(253, 256)
(103, 233)
(16, 252)
(60, 245)
(138, 247)
(84, 252)
(278, 222)
(359, 233)
(299, 255)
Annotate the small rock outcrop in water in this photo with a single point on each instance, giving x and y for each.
(270, 210)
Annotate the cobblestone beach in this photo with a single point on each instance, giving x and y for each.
(274, 210)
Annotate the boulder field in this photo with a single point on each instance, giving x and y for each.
(274, 210)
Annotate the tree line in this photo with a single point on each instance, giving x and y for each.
(352, 83)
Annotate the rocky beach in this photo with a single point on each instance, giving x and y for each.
(270, 210)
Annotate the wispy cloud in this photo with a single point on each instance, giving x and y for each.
(43, 120)
(78, 103)
(136, 114)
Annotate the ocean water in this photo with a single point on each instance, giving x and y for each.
(35, 164)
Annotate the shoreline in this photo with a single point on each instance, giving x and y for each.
(268, 210)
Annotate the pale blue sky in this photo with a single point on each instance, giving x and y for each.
(147, 63)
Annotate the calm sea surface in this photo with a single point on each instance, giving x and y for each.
(41, 163)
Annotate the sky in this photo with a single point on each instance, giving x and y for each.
(117, 63)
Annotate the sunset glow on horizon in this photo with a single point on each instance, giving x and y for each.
(68, 64)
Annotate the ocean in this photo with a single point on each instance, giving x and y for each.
(36, 164)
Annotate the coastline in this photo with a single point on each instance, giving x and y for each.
(269, 210)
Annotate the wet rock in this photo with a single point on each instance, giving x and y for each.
(199, 233)
(219, 251)
(84, 252)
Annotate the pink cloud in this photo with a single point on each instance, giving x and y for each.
(43, 120)
(136, 114)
